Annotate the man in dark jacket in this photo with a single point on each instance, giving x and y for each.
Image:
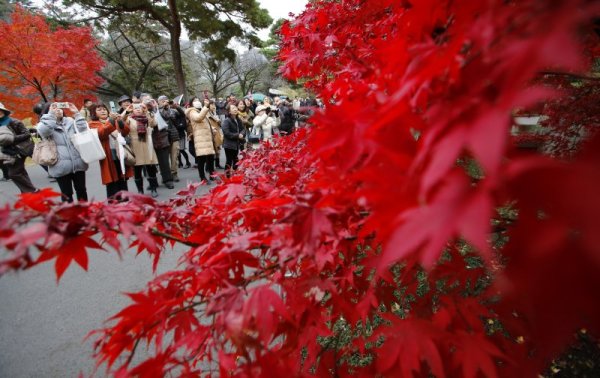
(178, 118)
(160, 140)
(21, 148)
(166, 111)
(286, 113)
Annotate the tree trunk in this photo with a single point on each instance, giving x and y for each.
(175, 34)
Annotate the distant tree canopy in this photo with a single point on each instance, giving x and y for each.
(214, 24)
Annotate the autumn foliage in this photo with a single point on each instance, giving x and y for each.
(364, 245)
(42, 63)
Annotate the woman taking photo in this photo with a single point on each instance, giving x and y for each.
(202, 133)
(69, 170)
(235, 137)
(141, 127)
(266, 120)
(110, 167)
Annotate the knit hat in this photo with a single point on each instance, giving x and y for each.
(4, 109)
(163, 97)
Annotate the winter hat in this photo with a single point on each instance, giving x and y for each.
(161, 98)
(4, 109)
(124, 98)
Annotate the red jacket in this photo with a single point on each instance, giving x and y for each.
(107, 165)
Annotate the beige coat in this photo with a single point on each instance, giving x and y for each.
(199, 127)
(215, 122)
(143, 149)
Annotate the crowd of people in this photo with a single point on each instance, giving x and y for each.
(145, 137)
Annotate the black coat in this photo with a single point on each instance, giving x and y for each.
(286, 113)
(178, 117)
(232, 128)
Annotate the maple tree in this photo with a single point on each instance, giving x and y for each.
(366, 245)
(39, 63)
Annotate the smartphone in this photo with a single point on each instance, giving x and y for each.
(62, 105)
(137, 106)
(113, 108)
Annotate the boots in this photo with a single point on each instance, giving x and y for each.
(139, 183)
(153, 185)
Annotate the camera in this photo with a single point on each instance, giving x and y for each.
(62, 105)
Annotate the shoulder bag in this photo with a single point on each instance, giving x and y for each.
(45, 152)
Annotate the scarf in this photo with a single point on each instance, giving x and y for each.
(4, 121)
(142, 125)
(214, 117)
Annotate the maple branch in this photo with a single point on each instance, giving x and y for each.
(569, 75)
(157, 232)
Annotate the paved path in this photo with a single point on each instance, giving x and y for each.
(42, 324)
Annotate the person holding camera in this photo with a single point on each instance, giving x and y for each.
(160, 137)
(69, 170)
(235, 138)
(124, 102)
(20, 146)
(141, 128)
(108, 125)
(201, 131)
(180, 122)
(266, 120)
(169, 114)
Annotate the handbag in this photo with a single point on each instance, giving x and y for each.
(254, 136)
(45, 152)
(129, 155)
(87, 143)
(124, 150)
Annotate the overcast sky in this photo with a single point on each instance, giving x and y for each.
(280, 9)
